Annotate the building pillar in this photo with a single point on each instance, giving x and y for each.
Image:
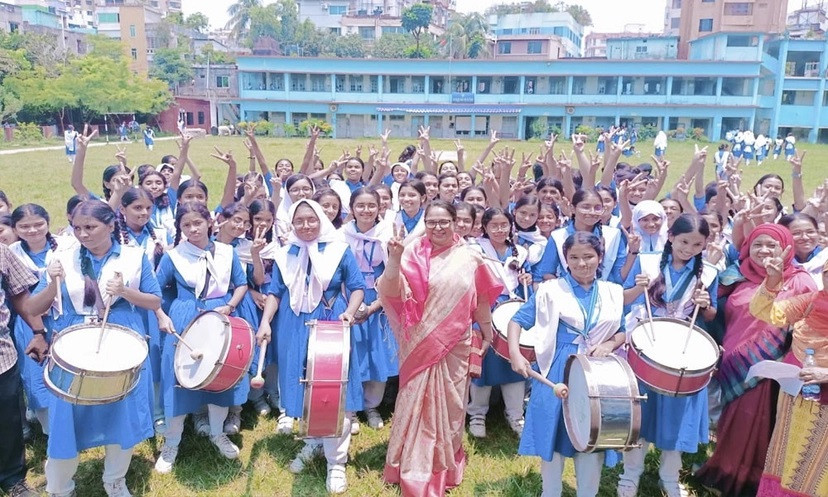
(288, 117)
(521, 132)
(823, 65)
(778, 86)
(333, 86)
(717, 127)
(379, 124)
(669, 89)
(522, 84)
(665, 122)
(618, 89)
(473, 126)
(286, 84)
(379, 87)
(567, 125)
(427, 89)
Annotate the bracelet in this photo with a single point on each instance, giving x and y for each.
(634, 253)
(232, 307)
(39, 332)
(796, 175)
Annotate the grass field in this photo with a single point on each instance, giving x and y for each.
(494, 468)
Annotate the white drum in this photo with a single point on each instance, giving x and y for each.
(80, 374)
(501, 315)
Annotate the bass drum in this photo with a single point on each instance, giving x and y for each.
(326, 376)
(501, 315)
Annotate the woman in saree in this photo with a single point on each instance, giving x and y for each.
(747, 420)
(796, 462)
(432, 290)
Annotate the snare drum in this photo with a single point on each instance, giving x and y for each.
(660, 362)
(326, 376)
(501, 315)
(226, 344)
(603, 408)
(80, 374)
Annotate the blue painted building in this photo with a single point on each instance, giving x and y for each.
(730, 81)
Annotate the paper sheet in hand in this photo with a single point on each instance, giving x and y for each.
(787, 375)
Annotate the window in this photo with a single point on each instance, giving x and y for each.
(705, 25)
(396, 117)
(557, 85)
(534, 31)
(676, 4)
(367, 33)
(337, 10)
(641, 49)
(738, 8)
(189, 118)
(510, 85)
(742, 41)
(675, 23)
(13, 27)
(134, 53)
(534, 47)
(132, 31)
(392, 29)
(108, 17)
(504, 47)
(222, 82)
(708, 1)
(200, 117)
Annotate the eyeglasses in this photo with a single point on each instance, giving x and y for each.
(301, 223)
(498, 229)
(442, 223)
(598, 209)
(301, 189)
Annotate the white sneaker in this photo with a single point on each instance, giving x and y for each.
(675, 489)
(201, 424)
(516, 425)
(284, 425)
(374, 418)
(355, 426)
(626, 488)
(336, 482)
(166, 459)
(477, 426)
(227, 448)
(117, 488)
(305, 455)
(261, 406)
(232, 424)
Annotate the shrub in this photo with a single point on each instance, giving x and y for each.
(324, 127)
(589, 131)
(28, 132)
(647, 132)
(539, 128)
(265, 128)
(288, 129)
(698, 135)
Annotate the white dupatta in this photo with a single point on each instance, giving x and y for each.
(306, 290)
(194, 263)
(367, 256)
(508, 276)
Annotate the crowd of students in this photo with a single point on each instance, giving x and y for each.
(583, 235)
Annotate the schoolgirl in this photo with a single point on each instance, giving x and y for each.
(526, 213)
(550, 191)
(808, 253)
(368, 237)
(510, 263)
(588, 209)
(203, 272)
(331, 205)
(777, 147)
(386, 213)
(672, 209)
(465, 220)
(431, 183)
(448, 186)
(790, 146)
(298, 187)
(7, 234)
(5, 205)
(548, 220)
(649, 221)
(610, 199)
(464, 180)
(100, 265)
(474, 195)
(307, 283)
(577, 313)
(412, 196)
(673, 424)
(354, 169)
(36, 249)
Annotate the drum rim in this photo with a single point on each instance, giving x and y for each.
(672, 393)
(56, 359)
(222, 355)
(594, 403)
(242, 371)
(639, 351)
(86, 401)
(310, 368)
(527, 351)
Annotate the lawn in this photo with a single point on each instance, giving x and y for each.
(494, 469)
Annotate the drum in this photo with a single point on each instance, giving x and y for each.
(326, 376)
(603, 408)
(226, 347)
(501, 315)
(80, 374)
(660, 363)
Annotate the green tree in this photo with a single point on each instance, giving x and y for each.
(172, 66)
(415, 20)
(580, 14)
(264, 23)
(104, 46)
(197, 22)
(349, 46)
(392, 46)
(466, 36)
(241, 16)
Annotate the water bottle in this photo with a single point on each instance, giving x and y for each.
(810, 392)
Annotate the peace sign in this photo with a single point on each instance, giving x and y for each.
(258, 240)
(86, 137)
(226, 157)
(715, 249)
(775, 267)
(395, 244)
(633, 241)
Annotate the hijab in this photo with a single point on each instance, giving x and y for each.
(756, 272)
(650, 243)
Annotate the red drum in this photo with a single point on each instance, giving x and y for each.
(501, 315)
(662, 363)
(226, 347)
(326, 375)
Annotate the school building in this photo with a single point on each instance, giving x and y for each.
(729, 81)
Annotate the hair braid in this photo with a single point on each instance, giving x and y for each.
(53, 245)
(89, 279)
(177, 231)
(658, 288)
(124, 228)
(159, 249)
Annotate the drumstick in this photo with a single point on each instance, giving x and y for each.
(103, 323)
(258, 381)
(525, 287)
(692, 321)
(195, 353)
(59, 297)
(649, 314)
(534, 374)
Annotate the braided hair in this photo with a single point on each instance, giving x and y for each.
(162, 201)
(582, 195)
(33, 210)
(685, 223)
(109, 173)
(585, 238)
(488, 215)
(186, 208)
(128, 198)
(101, 212)
(261, 205)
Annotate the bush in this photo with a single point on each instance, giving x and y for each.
(265, 128)
(324, 127)
(647, 132)
(699, 136)
(589, 131)
(288, 129)
(539, 128)
(28, 132)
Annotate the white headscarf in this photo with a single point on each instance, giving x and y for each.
(650, 243)
(294, 268)
(284, 214)
(660, 140)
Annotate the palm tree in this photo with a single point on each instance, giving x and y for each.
(466, 36)
(239, 13)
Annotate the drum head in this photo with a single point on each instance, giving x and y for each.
(670, 336)
(121, 348)
(209, 334)
(577, 407)
(503, 313)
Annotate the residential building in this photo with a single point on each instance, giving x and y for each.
(672, 17)
(46, 18)
(560, 24)
(595, 43)
(704, 17)
(218, 86)
(529, 47)
(740, 80)
(642, 47)
(810, 21)
(134, 25)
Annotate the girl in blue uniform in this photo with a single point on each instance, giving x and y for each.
(307, 284)
(577, 313)
(412, 196)
(36, 248)
(207, 276)
(673, 424)
(368, 237)
(527, 234)
(100, 264)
